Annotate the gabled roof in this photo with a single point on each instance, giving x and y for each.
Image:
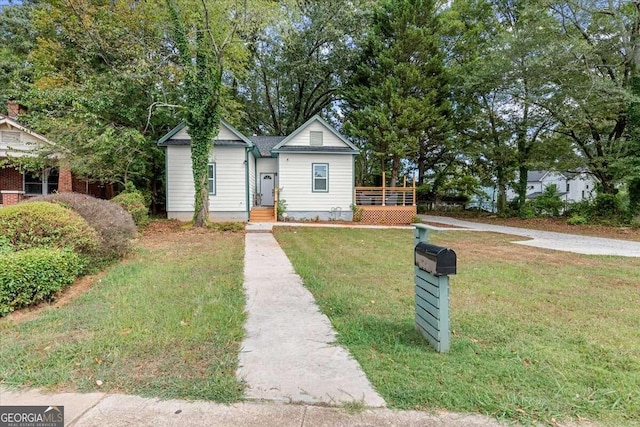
(164, 141)
(314, 149)
(14, 124)
(266, 143)
(536, 176)
(317, 118)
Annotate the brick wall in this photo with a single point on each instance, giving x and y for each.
(11, 180)
(65, 180)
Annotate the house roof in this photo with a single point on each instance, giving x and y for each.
(4, 120)
(536, 176)
(164, 141)
(266, 143)
(313, 149)
(218, 142)
(319, 149)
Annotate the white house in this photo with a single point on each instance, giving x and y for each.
(572, 186)
(313, 168)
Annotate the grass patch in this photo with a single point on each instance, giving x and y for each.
(165, 323)
(537, 335)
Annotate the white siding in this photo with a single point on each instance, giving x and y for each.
(252, 179)
(230, 175)
(226, 134)
(295, 181)
(267, 165)
(180, 190)
(554, 178)
(577, 185)
(329, 139)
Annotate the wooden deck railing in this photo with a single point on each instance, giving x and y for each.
(385, 196)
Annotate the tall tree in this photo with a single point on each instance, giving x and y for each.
(498, 51)
(596, 65)
(17, 39)
(396, 98)
(97, 66)
(298, 64)
(206, 33)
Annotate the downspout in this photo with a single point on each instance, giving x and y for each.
(246, 179)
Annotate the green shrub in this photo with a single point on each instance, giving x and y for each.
(5, 245)
(114, 225)
(227, 226)
(549, 202)
(606, 206)
(42, 224)
(133, 202)
(582, 208)
(34, 275)
(577, 220)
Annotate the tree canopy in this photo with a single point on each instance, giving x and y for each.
(438, 91)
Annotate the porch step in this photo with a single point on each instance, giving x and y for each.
(262, 215)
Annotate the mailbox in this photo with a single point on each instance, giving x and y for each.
(434, 259)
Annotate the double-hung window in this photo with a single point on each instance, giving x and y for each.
(320, 182)
(211, 179)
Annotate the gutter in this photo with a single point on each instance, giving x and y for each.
(246, 180)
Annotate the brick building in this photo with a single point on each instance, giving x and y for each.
(17, 141)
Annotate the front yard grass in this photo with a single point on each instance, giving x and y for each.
(167, 322)
(538, 336)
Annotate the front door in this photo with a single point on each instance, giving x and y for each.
(267, 187)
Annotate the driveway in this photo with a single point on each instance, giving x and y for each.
(548, 239)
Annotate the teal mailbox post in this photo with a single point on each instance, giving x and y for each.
(433, 265)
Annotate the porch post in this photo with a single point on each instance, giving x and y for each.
(404, 191)
(65, 179)
(384, 184)
(414, 191)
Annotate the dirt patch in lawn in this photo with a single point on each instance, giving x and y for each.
(560, 225)
(80, 286)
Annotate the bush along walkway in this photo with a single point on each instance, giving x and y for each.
(289, 352)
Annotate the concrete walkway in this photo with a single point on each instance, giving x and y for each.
(115, 410)
(289, 352)
(549, 240)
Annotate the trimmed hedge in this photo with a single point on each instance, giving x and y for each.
(134, 203)
(113, 223)
(42, 224)
(34, 275)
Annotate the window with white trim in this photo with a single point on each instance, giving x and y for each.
(45, 182)
(320, 182)
(211, 179)
(33, 183)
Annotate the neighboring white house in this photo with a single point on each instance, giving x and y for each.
(313, 168)
(572, 186)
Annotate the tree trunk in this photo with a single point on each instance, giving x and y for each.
(395, 171)
(502, 190)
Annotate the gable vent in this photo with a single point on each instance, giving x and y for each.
(10, 137)
(315, 138)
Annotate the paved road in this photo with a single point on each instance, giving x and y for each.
(550, 240)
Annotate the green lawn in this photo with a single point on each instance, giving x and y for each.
(168, 322)
(537, 336)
